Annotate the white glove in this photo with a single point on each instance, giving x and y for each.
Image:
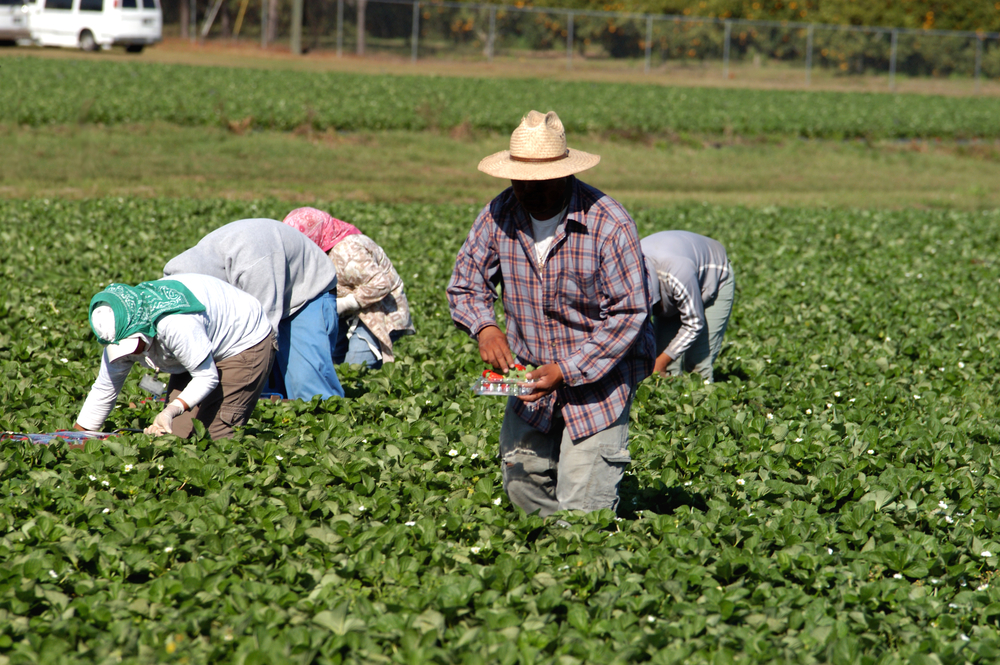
(162, 423)
(347, 305)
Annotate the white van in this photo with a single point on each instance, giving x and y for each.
(13, 21)
(93, 24)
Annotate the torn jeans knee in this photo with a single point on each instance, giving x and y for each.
(530, 480)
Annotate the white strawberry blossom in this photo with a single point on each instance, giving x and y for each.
(128, 467)
(53, 574)
(496, 501)
(986, 554)
(92, 477)
(942, 505)
(475, 550)
(453, 452)
(168, 549)
(740, 481)
(410, 523)
(898, 576)
(106, 511)
(473, 455)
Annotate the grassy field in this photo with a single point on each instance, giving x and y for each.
(40, 91)
(545, 66)
(79, 161)
(832, 499)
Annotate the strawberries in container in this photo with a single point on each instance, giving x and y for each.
(504, 385)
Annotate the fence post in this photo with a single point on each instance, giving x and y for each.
(416, 29)
(649, 40)
(493, 33)
(340, 28)
(725, 49)
(892, 61)
(193, 17)
(569, 40)
(979, 60)
(263, 23)
(297, 27)
(809, 53)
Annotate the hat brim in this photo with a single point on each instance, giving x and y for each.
(127, 347)
(500, 165)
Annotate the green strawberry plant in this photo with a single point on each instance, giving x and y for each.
(40, 91)
(831, 498)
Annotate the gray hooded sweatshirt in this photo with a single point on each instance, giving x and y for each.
(688, 269)
(273, 262)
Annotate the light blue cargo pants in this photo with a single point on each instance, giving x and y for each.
(700, 356)
(546, 472)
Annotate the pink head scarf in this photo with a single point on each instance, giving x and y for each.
(320, 227)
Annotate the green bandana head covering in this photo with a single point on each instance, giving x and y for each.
(138, 308)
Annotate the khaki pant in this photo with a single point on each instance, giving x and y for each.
(701, 355)
(550, 471)
(241, 380)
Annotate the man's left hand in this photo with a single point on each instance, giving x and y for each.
(546, 379)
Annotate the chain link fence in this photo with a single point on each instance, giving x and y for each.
(795, 53)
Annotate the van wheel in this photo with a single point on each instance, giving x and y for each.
(134, 48)
(87, 41)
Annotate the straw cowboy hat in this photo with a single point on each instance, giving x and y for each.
(538, 152)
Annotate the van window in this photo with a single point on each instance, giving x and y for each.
(129, 4)
(149, 4)
(59, 4)
(91, 5)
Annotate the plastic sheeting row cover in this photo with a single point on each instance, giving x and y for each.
(74, 438)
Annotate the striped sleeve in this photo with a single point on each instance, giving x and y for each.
(685, 295)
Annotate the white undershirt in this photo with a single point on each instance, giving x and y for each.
(544, 231)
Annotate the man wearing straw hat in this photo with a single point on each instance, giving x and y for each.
(575, 300)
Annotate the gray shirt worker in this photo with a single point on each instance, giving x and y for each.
(271, 261)
(689, 269)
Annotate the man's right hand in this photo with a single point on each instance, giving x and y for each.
(494, 350)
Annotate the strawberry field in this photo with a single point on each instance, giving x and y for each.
(39, 91)
(832, 499)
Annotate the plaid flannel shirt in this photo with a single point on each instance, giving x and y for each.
(585, 308)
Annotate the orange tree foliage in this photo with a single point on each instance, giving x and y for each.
(925, 14)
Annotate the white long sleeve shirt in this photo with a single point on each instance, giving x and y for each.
(688, 269)
(233, 321)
